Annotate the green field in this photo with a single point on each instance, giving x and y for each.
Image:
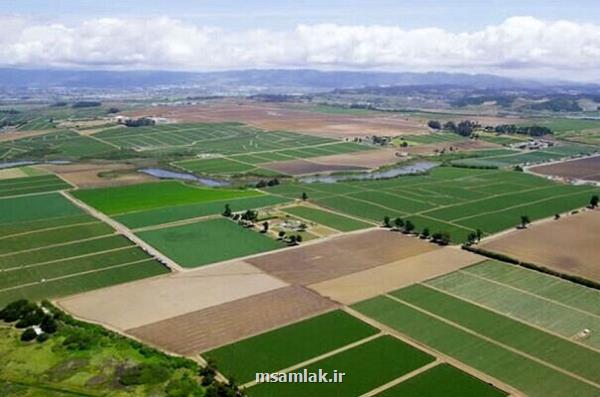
(159, 216)
(443, 381)
(289, 345)
(554, 310)
(148, 196)
(205, 242)
(49, 248)
(327, 218)
(448, 199)
(367, 366)
(509, 366)
(32, 184)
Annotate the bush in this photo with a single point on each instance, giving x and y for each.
(28, 335)
(184, 387)
(34, 316)
(15, 310)
(144, 374)
(48, 324)
(78, 340)
(41, 338)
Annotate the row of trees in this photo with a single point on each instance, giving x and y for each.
(408, 227)
(467, 127)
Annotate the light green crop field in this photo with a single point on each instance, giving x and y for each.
(443, 381)
(367, 367)
(565, 315)
(327, 218)
(177, 213)
(48, 249)
(289, 345)
(205, 242)
(32, 184)
(448, 199)
(549, 348)
(509, 366)
(148, 196)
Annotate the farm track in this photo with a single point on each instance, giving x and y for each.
(124, 231)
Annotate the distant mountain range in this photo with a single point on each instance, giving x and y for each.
(310, 79)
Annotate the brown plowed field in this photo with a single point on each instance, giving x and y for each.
(206, 329)
(588, 169)
(148, 301)
(568, 245)
(87, 175)
(365, 159)
(379, 280)
(270, 116)
(339, 256)
(300, 167)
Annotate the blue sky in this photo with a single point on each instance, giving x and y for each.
(451, 15)
(539, 39)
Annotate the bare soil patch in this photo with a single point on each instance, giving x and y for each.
(10, 173)
(586, 169)
(367, 158)
(339, 256)
(379, 280)
(88, 175)
(206, 329)
(148, 301)
(270, 116)
(568, 245)
(12, 135)
(458, 146)
(301, 167)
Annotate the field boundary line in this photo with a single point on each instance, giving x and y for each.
(126, 232)
(495, 342)
(49, 229)
(347, 195)
(31, 265)
(442, 357)
(317, 207)
(403, 378)
(36, 193)
(78, 274)
(56, 245)
(511, 317)
(324, 356)
(531, 293)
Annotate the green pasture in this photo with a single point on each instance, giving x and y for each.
(289, 345)
(149, 196)
(335, 221)
(34, 208)
(205, 242)
(367, 366)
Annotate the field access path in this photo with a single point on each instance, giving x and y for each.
(125, 232)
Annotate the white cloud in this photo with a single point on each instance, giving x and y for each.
(519, 45)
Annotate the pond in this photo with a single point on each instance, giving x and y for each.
(166, 174)
(415, 168)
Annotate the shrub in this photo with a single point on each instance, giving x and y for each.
(144, 374)
(15, 310)
(34, 316)
(41, 338)
(28, 335)
(48, 324)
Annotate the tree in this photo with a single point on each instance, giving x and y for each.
(28, 335)
(48, 324)
(478, 234)
(425, 233)
(265, 227)
(556, 216)
(387, 222)
(281, 234)
(594, 201)
(471, 238)
(227, 212)
(292, 240)
(441, 238)
(398, 223)
(434, 125)
(525, 221)
(408, 227)
(304, 196)
(298, 238)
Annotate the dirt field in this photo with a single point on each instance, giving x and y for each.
(301, 167)
(568, 245)
(366, 159)
(281, 117)
(206, 329)
(466, 145)
(12, 135)
(339, 256)
(12, 173)
(149, 301)
(87, 175)
(368, 283)
(586, 169)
